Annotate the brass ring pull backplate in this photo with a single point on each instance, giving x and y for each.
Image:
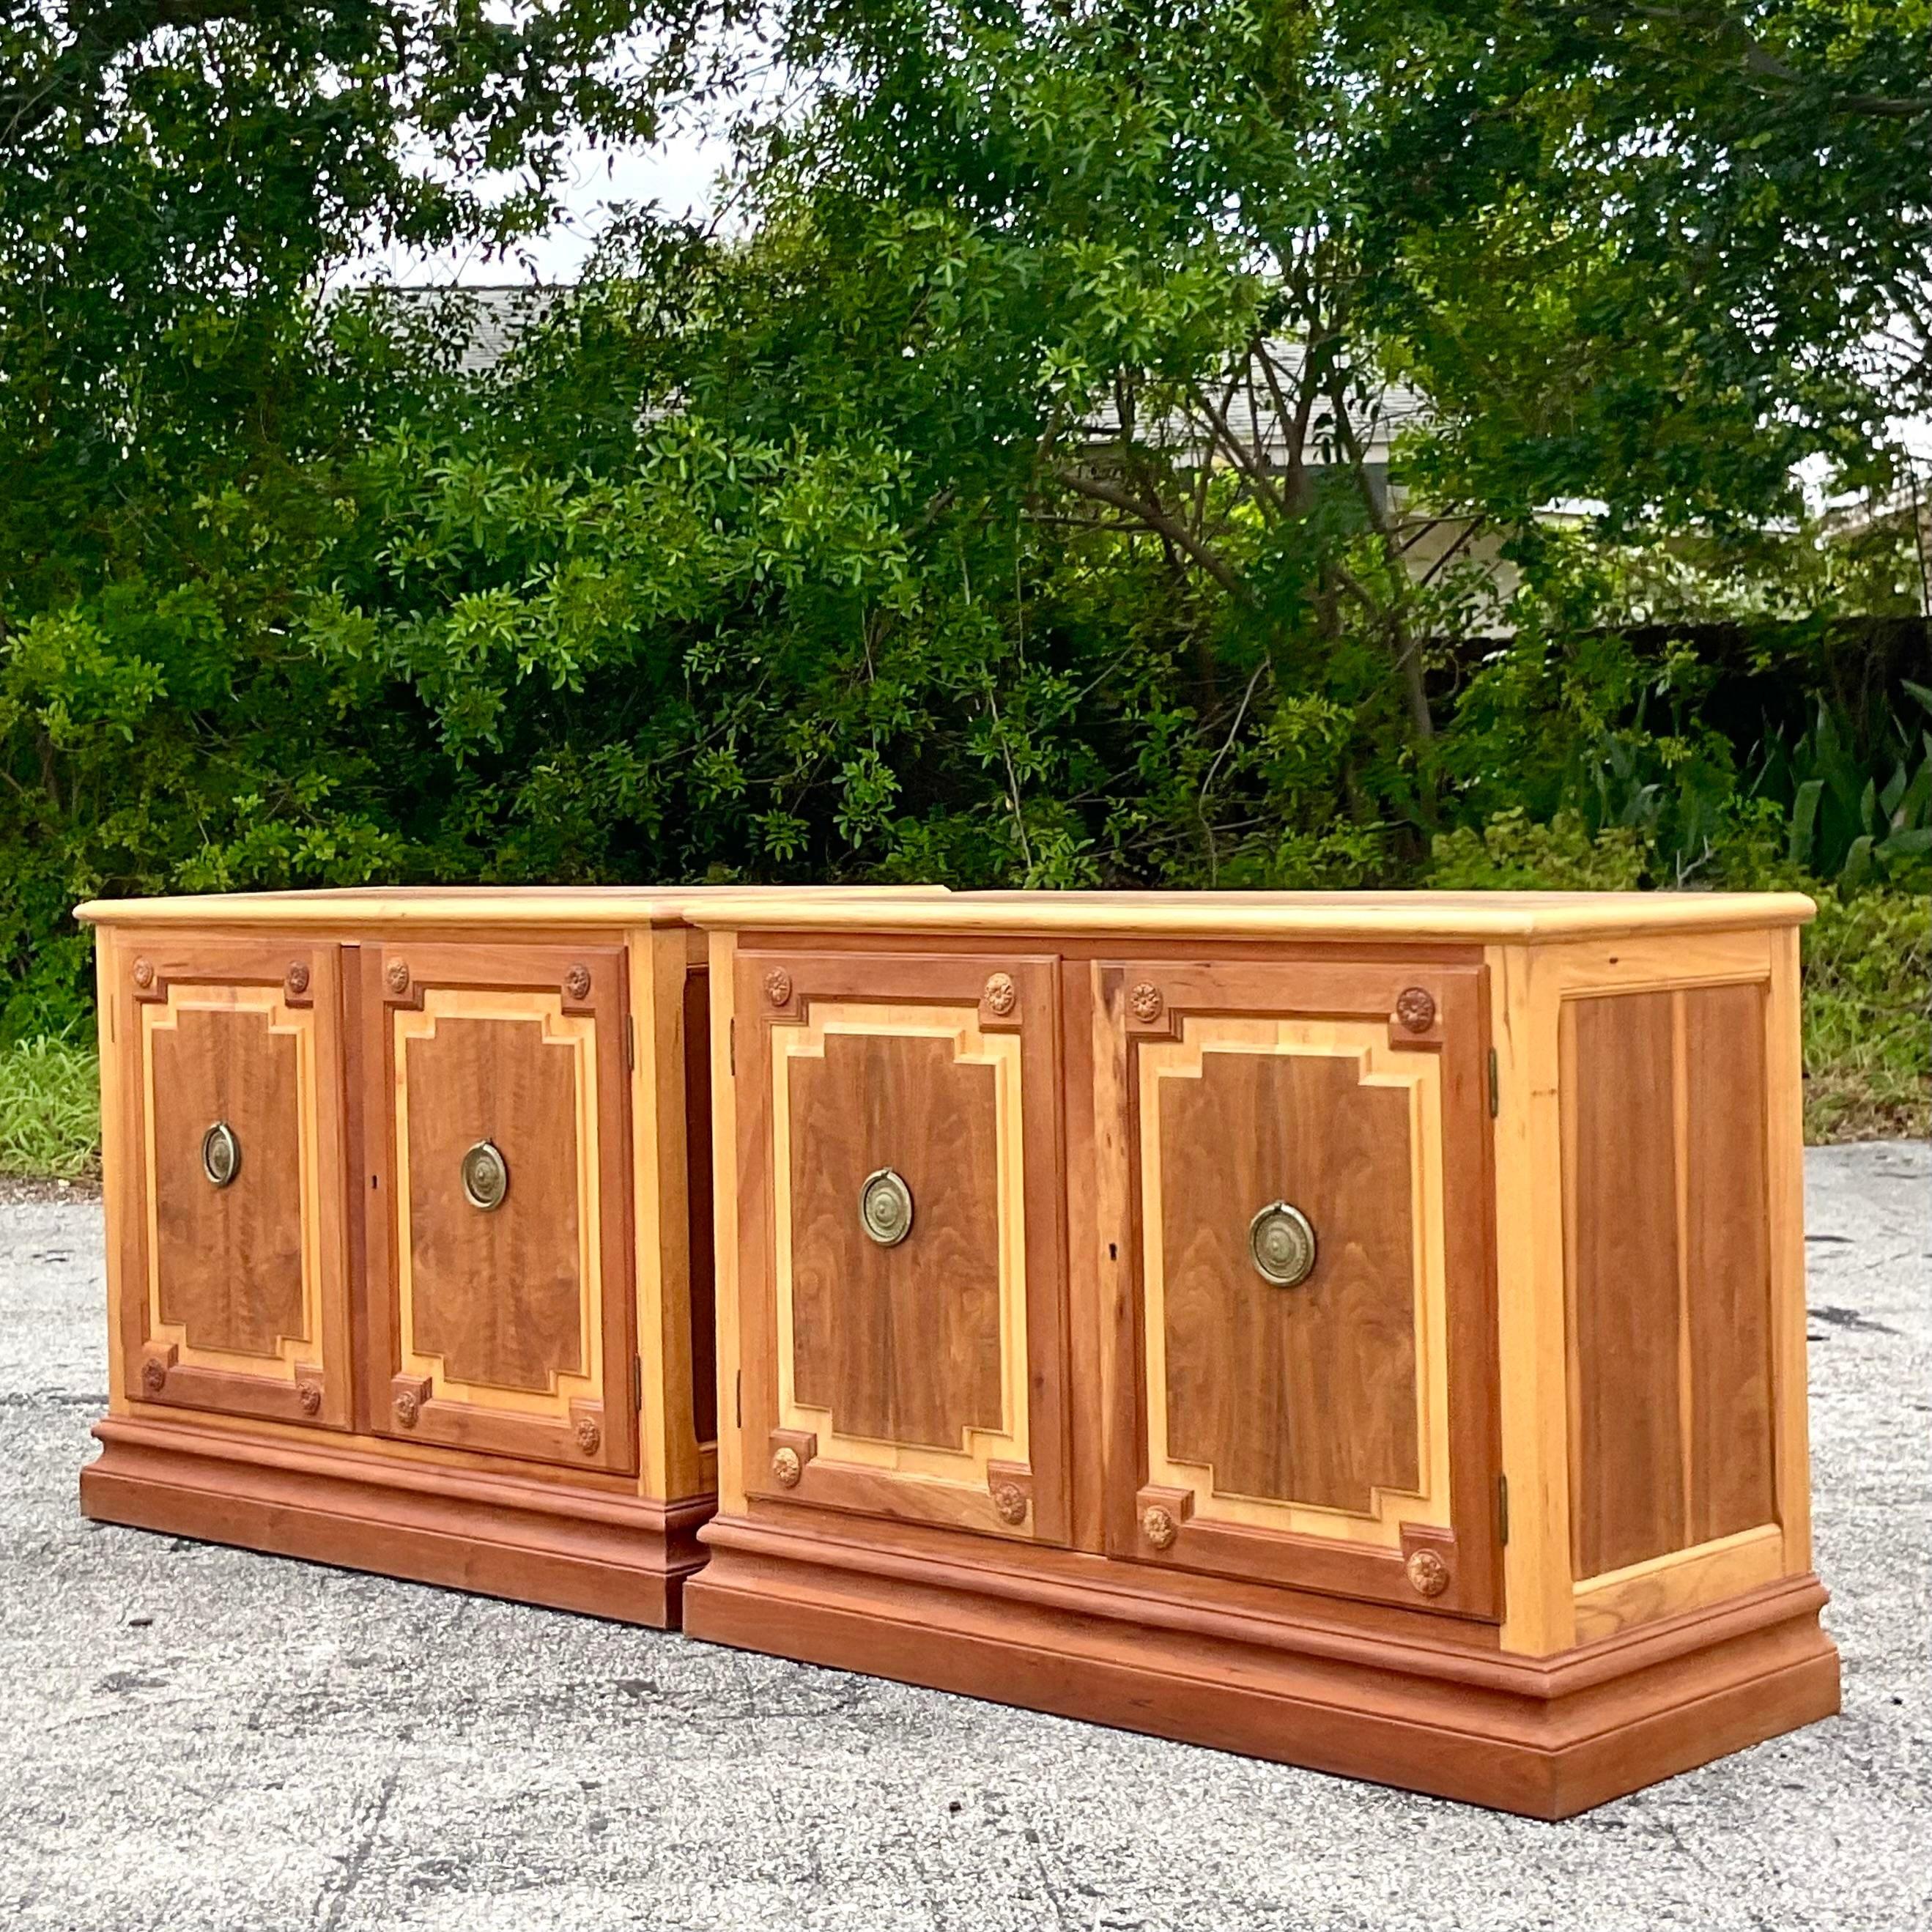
(486, 1176)
(220, 1154)
(1281, 1243)
(885, 1207)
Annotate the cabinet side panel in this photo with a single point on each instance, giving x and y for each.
(1728, 1262)
(1623, 1264)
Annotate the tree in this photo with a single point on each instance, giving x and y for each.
(177, 177)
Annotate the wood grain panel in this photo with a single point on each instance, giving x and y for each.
(229, 1300)
(509, 1331)
(1328, 1443)
(1621, 1236)
(900, 1344)
(229, 1261)
(1728, 1263)
(497, 1296)
(703, 1240)
(1308, 1393)
(946, 1070)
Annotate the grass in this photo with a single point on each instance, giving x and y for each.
(1868, 1018)
(1868, 1045)
(50, 1110)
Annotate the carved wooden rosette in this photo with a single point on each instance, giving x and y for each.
(1145, 1002)
(1001, 995)
(1011, 1487)
(1415, 1009)
(397, 978)
(1428, 1573)
(577, 983)
(777, 986)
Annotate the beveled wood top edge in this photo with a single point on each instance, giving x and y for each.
(360, 907)
(1496, 917)
(1499, 917)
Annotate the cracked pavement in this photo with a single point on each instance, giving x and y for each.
(195, 1737)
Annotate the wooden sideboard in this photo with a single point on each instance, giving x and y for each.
(1362, 1330)
(410, 1234)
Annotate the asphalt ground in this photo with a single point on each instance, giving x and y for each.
(193, 1737)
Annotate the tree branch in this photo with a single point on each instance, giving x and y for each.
(1159, 521)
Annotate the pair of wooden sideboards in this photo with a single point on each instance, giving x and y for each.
(1366, 1330)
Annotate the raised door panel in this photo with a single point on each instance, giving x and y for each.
(499, 1250)
(1310, 1399)
(234, 1295)
(901, 1234)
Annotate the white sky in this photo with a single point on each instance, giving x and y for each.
(680, 174)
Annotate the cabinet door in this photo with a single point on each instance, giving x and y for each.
(1302, 1166)
(499, 1249)
(901, 1247)
(231, 1290)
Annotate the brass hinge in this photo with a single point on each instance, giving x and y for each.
(738, 1397)
(631, 1042)
(1495, 1087)
(1502, 1508)
(637, 1384)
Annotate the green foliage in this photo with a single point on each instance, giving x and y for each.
(1849, 817)
(1868, 1015)
(1513, 853)
(49, 1110)
(1012, 497)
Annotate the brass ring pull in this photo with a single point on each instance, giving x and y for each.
(220, 1154)
(1281, 1243)
(885, 1207)
(486, 1176)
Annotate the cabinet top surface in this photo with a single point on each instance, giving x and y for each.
(1474, 916)
(479, 906)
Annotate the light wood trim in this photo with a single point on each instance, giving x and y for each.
(1532, 1341)
(1682, 1579)
(124, 1282)
(576, 1034)
(724, 1211)
(1109, 1238)
(1784, 1127)
(1419, 1076)
(957, 1024)
(1680, 1176)
(1393, 916)
(317, 1191)
(1673, 960)
(650, 1226)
